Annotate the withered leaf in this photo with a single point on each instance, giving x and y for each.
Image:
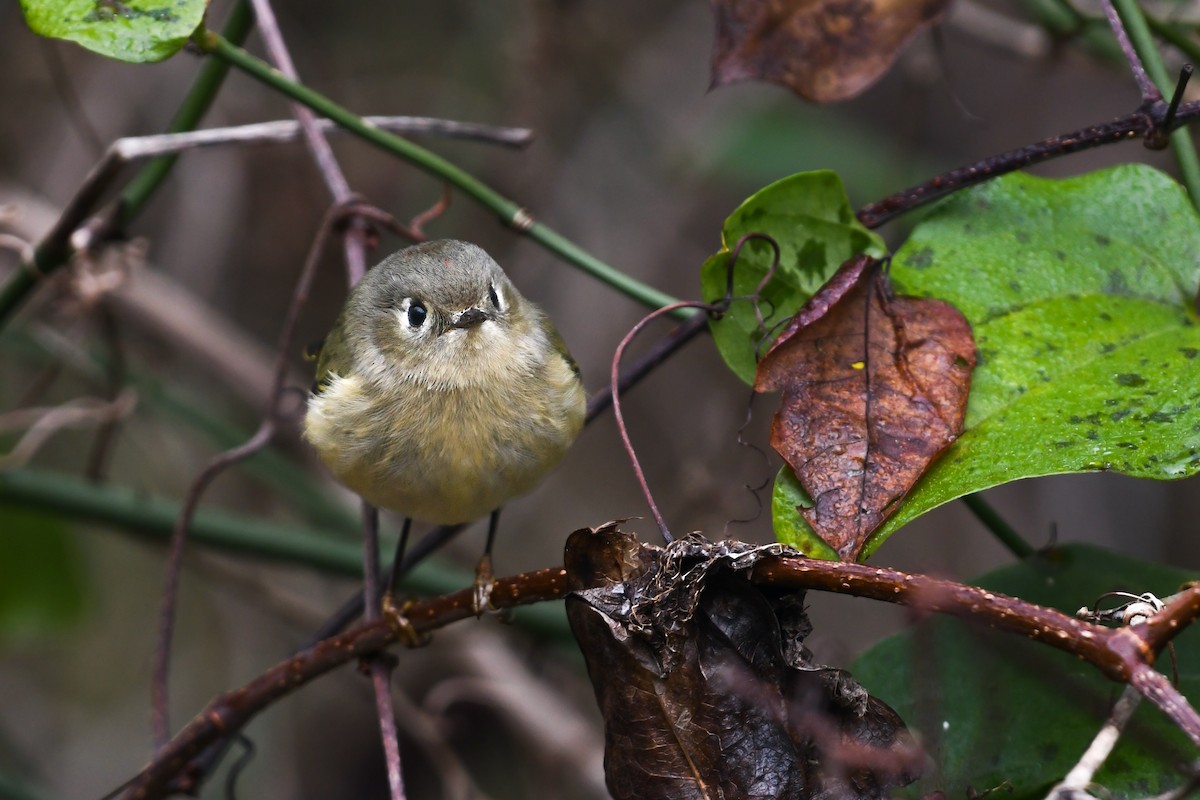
(706, 687)
(824, 50)
(874, 389)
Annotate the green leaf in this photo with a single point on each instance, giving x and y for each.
(790, 527)
(1081, 295)
(41, 575)
(128, 30)
(810, 218)
(993, 707)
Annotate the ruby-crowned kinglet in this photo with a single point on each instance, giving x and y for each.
(441, 392)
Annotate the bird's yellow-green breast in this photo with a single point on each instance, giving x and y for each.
(441, 392)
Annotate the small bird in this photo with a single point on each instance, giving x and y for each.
(441, 392)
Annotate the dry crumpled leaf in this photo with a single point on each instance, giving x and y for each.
(705, 684)
(824, 50)
(874, 389)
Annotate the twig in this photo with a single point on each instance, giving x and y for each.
(56, 246)
(42, 423)
(174, 564)
(1141, 123)
(159, 683)
(615, 394)
(456, 782)
(231, 710)
(1150, 92)
(716, 308)
(284, 131)
(355, 236)
(1132, 21)
(1122, 655)
(379, 665)
(1077, 780)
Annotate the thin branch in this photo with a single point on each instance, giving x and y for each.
(1141, 123)
(356, 235)
(284, 131)
(56, 247)
(1080, 776)
(1150, 92)
(1123, 655)
(232, 710)
(160, 676)
(331, 171)
(614, 387)
(1142, 43)
(266, 430)
(42, 423)
(380, 665)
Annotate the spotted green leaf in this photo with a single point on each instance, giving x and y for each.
(1081, 294)
(127, 30)
(994, 708)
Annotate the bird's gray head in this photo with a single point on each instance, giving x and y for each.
(440, 310)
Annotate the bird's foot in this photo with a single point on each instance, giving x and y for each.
(401, 625)
(485, 581)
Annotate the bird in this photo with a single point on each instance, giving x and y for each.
(441, 392)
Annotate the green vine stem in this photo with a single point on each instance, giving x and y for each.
(998, 526)
(509, 212)
(134, 512)
(191, 111)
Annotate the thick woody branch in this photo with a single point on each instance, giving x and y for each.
(1124, 655)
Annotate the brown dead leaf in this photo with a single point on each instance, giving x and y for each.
(706, 687)
(874, 389)
(824, 50)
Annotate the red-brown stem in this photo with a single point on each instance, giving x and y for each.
(230, 711)
(1124, 654)
(356, 234)
(614, 387)
(1141, 123)
(1084, 639)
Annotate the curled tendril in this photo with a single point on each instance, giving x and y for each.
(715, 309)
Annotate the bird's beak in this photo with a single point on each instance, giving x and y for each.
(470, 318)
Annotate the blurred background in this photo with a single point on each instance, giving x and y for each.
(637, 162)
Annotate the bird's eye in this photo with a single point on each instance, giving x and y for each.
(495, 298)
(416, 314)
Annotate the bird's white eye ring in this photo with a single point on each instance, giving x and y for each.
(493, 296)
(417, 314)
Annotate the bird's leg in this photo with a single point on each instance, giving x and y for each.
(485, 579)
(393, 613)
(395, 573)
